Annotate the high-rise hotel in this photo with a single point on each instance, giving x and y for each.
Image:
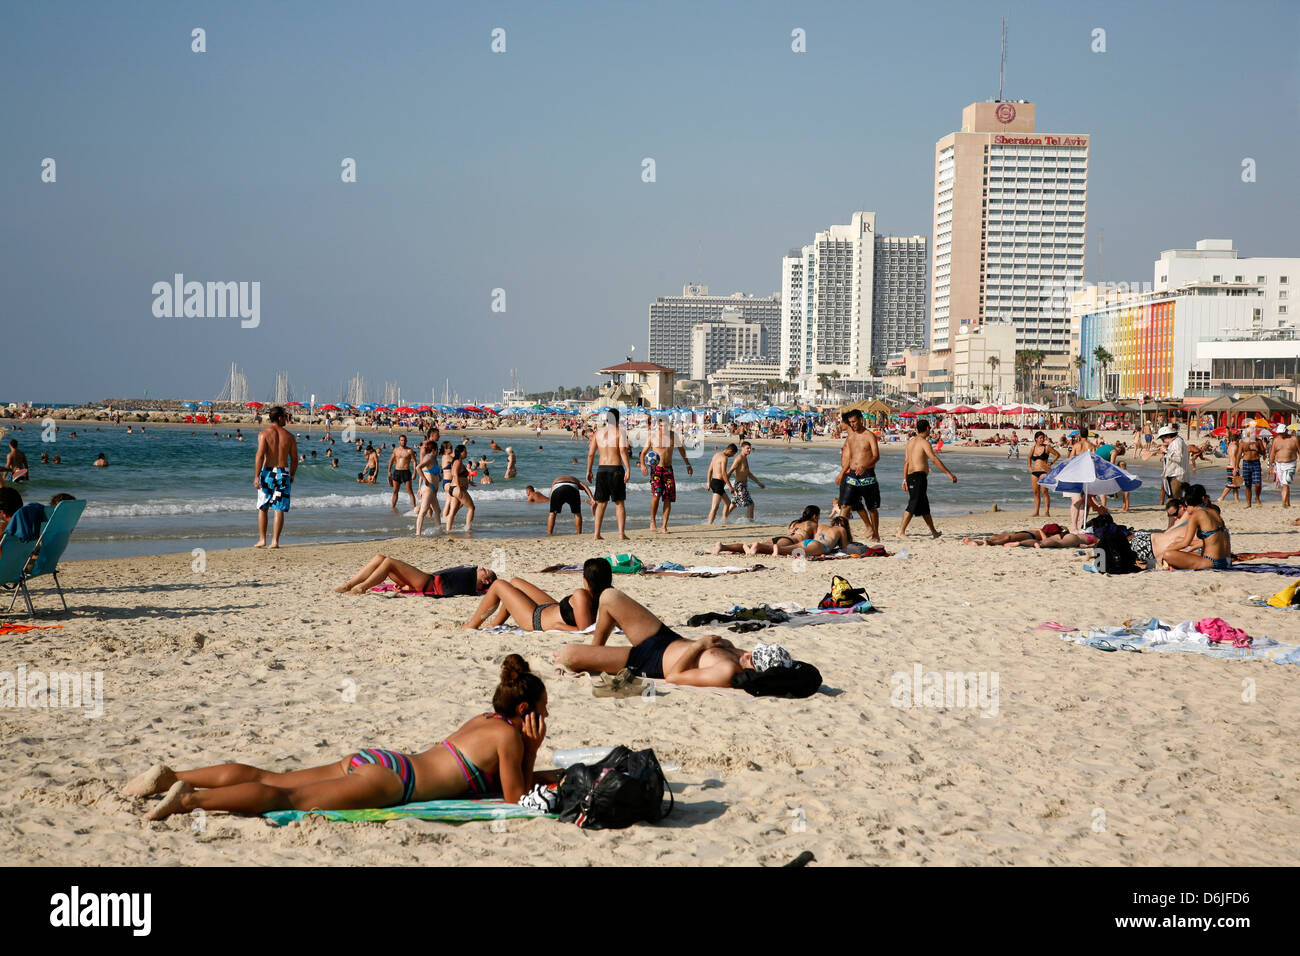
(850, 300)
(1010, 223)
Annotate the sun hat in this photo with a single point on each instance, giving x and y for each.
(1168, 431)
(768, 656)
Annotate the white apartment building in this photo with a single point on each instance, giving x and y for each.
(714, 344)
(850, 299)
(1010, 218)
(1216, 264)
(673, 317)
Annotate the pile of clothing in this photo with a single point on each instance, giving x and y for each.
(1210, 636)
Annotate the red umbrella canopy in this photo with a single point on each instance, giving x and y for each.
(295, 404)
(962, 410)
(473, 408)
(929, 410)
(907, 414)
(425, 408)
(329, 408)
(987, 410)
(253, 405)
(1017, 410)
(404, 410)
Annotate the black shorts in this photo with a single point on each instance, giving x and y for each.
(918, 503)
(717, 486)
(859, 497)
(565, 495)
(609, 484)
(401, 475)
(647, 658)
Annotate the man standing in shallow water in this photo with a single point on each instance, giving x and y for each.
(660, 442)
(859, 490)
(916, 475)
(274, 466)
(610, 448)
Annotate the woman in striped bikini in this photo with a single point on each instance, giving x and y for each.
(491, 753)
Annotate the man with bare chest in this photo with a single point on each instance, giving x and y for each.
(859, 489)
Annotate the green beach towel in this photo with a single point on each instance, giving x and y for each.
(450, 811)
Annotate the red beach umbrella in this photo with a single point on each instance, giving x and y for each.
(962, 410)
(405, 410)
(425, 408)
(329, 408)
(253, 405)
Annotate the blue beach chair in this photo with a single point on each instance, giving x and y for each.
(14, 553)
(56, 531)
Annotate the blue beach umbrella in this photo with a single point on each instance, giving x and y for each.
(190, 405)
(1089, 475)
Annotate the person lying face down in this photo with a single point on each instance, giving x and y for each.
(494, 752)
(660, 653)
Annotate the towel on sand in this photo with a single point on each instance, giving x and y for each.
(666, 567)
(451, 811)
(1287, 570)
(1155, 635)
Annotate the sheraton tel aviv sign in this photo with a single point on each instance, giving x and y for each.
(1043, 140)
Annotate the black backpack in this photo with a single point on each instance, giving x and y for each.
(1119, 555)
(626, 787)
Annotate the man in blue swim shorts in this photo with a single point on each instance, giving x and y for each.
(274, 466)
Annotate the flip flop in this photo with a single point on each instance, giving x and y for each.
(1130, 647)
(1101, 645)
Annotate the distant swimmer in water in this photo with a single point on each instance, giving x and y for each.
(511, 470)
(16, 463)
(101, 461)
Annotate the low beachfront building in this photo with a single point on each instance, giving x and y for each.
(642, 384)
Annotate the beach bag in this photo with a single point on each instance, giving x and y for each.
(1117, 556)
(800, 680)
(626, 787)
(625, 563)
(842, 594)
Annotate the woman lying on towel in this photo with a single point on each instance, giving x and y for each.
(462, 581)
(535, 610)
(492, 753)
(1013, 539)
(804, 526)
(1205, 531)
(660, 653)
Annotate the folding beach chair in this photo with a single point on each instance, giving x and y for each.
(59, 522)
(14, 553)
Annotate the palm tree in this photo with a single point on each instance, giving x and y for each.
(994, 362)
(1104, 359)
(1078, 362)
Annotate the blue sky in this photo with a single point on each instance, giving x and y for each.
(522, 170)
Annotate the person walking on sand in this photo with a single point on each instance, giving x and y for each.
(859, 489)
(1283, 452)
(609, 449)
(916, 475)
(741, 476)
(459, 491)
(657, 462)
(274, 466)
(399, 471)
(720, 482)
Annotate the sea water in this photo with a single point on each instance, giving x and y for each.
(173, 489)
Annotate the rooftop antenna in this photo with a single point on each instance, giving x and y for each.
(1002, 70)
(699, 263)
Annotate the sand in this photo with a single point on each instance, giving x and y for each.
(1092, 758)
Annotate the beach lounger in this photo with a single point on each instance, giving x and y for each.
(52, 543)
(14, 553)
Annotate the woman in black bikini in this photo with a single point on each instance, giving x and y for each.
(1041, 458)
(463, 581)
(535, 610)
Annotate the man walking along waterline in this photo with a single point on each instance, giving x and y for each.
(916, 476)
(859, 489)
(274, 466)
(609, 447)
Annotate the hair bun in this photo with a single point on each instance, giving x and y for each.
(512, 668)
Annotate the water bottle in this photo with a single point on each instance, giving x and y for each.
(588, 755)
(903, 553)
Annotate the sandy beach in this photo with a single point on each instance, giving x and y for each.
(1091, 758)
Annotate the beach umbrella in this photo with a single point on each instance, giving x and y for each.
(253, 405)
(425, 408)
(190, 405)
(907, 414)
(295, 404)
(205, 403)
(1089, 475)
(329, 408)
(929, 410)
